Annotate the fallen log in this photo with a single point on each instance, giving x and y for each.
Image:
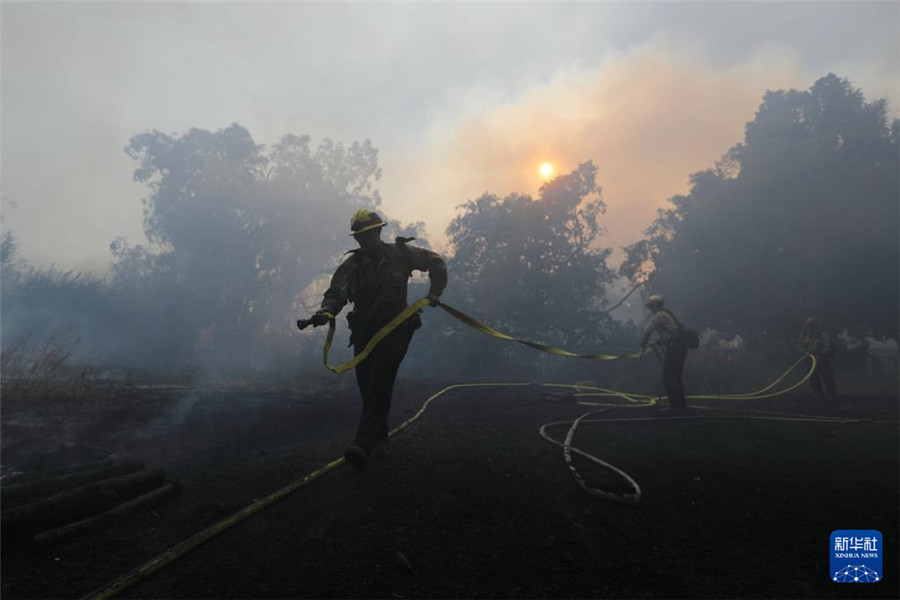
(24, 476)
(105, 518)
(76, 504)
(22, 493)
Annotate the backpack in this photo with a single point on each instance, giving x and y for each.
(687, 337)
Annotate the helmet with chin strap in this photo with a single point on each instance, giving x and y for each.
(364, 220)
(656, 300)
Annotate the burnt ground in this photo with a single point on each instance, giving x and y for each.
(472, 502)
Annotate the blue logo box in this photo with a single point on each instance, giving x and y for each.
(856, 556)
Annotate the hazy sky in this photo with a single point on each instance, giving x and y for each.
(459, 98)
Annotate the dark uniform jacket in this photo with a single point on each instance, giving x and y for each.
(663, 323)
(814, 342)
(377, 288)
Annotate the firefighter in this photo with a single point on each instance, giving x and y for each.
(667, 329)
(374, 279)
(814, 341)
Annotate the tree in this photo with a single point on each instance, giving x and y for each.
(800, 219)
(236, 230)
(533, 267)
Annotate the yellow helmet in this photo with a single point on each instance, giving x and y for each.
(364, 220)
(655, 300)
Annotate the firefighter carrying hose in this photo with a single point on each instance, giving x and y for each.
(374, 279)
(815, 341)
(670, 336)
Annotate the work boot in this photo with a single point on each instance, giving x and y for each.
(357, 456)
(382, 449)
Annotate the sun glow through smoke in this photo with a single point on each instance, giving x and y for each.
(546, 170)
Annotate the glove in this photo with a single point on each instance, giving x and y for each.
(433, 300)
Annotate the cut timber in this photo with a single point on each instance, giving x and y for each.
(105, 518)
(76, 504)
(24, 476)
(21, 493)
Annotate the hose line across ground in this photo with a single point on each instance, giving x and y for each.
(130, 578)
(638, 401)
(633, 400)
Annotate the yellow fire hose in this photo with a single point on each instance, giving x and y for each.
(471, 322)
(640, 400)
(131, 577)
(644, 400)
(127, 580)
(633, 498)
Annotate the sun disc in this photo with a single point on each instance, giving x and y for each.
(546, 170)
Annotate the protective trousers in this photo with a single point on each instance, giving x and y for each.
(673, 368)
(823, 373)
(375, 377)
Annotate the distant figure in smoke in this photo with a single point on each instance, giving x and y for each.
(815, 341)
(668, 331)
(374, 279)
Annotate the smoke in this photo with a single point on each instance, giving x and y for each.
(648, 118)
(716, 340)
(172, 420)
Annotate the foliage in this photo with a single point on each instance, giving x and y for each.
(532, 266)
(236, 230)
(800, 219)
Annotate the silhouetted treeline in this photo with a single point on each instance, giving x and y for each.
(236, 232)
(534, 268)
(799, 219)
